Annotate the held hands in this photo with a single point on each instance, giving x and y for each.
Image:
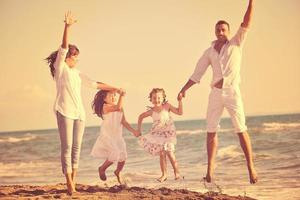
(137, 133)
(180, 95)
(69, 19)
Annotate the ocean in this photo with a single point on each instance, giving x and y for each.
(33, 157)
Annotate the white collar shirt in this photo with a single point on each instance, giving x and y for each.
(226, 64)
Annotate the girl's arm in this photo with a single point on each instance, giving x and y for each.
(129, 127)
(141, 117)
(112, 108)
(175, 110)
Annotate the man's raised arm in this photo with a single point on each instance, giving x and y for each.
(248, 15)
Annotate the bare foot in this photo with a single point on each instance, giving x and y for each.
(117, 173)
(102, 174)
(162, 178)
(178, 177)
(207, 178)
(70, 188)
(252, 175)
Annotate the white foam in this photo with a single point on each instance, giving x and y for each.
(229, 151)
(274, 126)
(25, 169)
(199, 131)
(26, 137)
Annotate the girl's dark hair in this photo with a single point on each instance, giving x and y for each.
(73, 50)
(157, 90)
(98, 103)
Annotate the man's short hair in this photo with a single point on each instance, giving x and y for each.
(223, 22)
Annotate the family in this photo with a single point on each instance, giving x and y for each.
(224, 56)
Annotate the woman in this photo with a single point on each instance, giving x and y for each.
(68, 104)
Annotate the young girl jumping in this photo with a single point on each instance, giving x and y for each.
(110, 144)
(161, 139)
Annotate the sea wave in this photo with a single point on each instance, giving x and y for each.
(231, 151)
(199, 131)
(26, 169)
(26, 137)
(275, 126)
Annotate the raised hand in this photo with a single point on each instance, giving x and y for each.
(69, 19)
(122, 92)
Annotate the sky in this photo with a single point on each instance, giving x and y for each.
(138, 45)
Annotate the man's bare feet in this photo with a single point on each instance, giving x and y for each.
(178, 176)
(102, 174)
(117, 173)
(162, 178)
(252, 175)
(208, 178)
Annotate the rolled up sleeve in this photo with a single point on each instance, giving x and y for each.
(60, 59)
(201, 67)
(240, 36)
(86, 81)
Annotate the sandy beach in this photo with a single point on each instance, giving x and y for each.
(58, 191)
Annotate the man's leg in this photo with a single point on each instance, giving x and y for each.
(211, 145)
(234, 105)
(214, 112)
(245, 143)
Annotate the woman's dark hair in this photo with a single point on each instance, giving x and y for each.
(98, 103)
(157, 90)
(73, 50)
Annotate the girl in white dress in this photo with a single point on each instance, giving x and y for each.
(161, 139)
(110, 144)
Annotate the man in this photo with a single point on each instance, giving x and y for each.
(224, 56)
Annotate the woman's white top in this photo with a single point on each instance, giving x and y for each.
(68, 80)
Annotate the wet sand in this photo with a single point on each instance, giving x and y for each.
(9, 192)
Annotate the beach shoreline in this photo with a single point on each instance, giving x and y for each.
(117, 192)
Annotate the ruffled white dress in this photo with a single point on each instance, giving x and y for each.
(110, 143)
(162, 135)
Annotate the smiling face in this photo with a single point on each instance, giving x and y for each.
(111, 98)
(157, 98)
(222, 32)
(72, 60)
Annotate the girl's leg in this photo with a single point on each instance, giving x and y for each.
(78, 131)
(103, 168)
(118, 170)
(173, 161)
(163, 166)
(65, 128)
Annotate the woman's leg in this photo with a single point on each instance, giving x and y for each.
(65, 128)
(78, 131)
(174, 164)
(163, 166)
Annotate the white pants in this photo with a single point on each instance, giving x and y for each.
(229, 98)
(70, 132)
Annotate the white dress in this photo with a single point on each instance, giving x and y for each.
(110, 143)
(162, 135)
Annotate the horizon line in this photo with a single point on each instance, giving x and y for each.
(200, 119)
